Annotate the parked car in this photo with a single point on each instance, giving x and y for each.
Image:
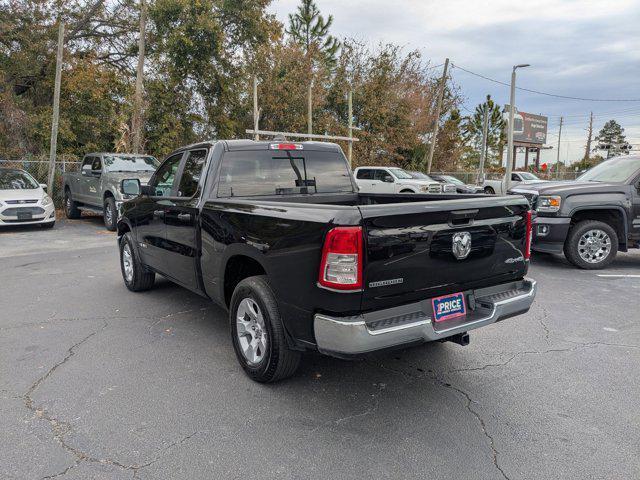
(393, 180)
(96, 188)
(278, 234)
(459, 185)
(589, 219)
(517, 178)
(24, 201)
(447, 187)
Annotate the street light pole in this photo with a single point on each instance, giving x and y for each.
(512, 101)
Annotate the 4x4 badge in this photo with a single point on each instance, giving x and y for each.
(461, 245)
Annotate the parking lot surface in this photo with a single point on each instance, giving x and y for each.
(97, 382)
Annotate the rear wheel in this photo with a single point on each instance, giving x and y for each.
(110, 214)
(70, 207)
(591, 244)
(136, 276)
(257, 332)
(489, 191)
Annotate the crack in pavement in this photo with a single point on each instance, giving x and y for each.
(61, 428)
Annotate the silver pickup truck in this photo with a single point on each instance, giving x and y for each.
(96, 188)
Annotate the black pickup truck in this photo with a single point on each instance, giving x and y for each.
(589, 219)
(278, 234)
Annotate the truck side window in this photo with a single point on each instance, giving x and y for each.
(96, 166)
(365, 174)
(165, 176)
(191, 173)
(381, 175)
(87, 161)
(515, 177)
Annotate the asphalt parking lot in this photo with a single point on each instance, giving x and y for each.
(100, 383)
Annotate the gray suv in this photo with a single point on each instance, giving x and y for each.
(96, 188)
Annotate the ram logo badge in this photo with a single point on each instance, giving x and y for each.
(461, 245)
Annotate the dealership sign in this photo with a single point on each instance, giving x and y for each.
(527, 127)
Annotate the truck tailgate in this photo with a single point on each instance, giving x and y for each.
(410, 247)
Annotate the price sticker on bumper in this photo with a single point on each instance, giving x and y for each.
(448, 306)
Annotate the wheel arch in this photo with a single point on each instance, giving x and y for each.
(237, 267)
(614, 216)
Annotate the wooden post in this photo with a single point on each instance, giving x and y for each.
(310, 108)
(526, 158)
(538, 159)
(56, 110)
(515, 153)
(136, 121)
(483, 153)
(256, 113)
(350, 108)
(558, 153)
(443, 82)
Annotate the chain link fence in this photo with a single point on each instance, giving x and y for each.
(471, 177)
(38, 168)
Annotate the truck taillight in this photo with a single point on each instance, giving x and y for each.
(341, 264)
(527, 245)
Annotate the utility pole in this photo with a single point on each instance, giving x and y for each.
(350, 109)
(512, 107)
(483, 154)
(256, 112)
(558, 153)
(310, 109)
(587, 150)
(56, 110)
(136, 123)
(434, 136)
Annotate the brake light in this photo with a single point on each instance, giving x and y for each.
(527, 245)
(285, 146)
(341, 264)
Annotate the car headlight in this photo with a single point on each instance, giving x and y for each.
(46, 200)
(549, 203)
(424, 188)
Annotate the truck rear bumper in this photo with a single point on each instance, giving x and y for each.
(412, 323)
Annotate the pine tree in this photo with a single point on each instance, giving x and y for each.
(309, 29)
(612, 139)
(473, 126)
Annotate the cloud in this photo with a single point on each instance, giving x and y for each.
(576, 47)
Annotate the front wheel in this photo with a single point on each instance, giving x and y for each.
(489, 191)
(407, 191)
(136, 276)
(257, 332)
(110, 214)
(70, 208)
(591, 245)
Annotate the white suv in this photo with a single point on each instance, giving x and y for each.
(393, 180)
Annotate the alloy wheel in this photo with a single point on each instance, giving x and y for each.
(594, 246)
(251, 331)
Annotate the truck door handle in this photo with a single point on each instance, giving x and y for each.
(185, 217)
(158, 213)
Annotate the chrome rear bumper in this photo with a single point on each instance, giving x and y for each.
(412, 323)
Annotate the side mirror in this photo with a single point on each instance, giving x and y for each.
(130, 186)
(86, 169)
(44, 186)
(387, 179)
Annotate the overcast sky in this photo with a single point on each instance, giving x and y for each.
(582, 48)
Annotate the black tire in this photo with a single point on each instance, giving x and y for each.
(110, 214)
(70, 207)
(142, 278)
(489, 191)
(278, 361)
(48, 225)
(572, 245)
(407, 191)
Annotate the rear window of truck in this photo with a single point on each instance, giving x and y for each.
(282, 172)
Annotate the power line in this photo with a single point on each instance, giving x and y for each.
(546, 93)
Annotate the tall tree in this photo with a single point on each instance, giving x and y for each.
(473, 127)
(612, 139)
(309, 29)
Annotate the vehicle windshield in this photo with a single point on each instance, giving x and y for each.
(125, 163)
(454, 180)
(17, 180)
(420, 175)
(528, 176)
(617, 169)
(400, 173)
(284, 172)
